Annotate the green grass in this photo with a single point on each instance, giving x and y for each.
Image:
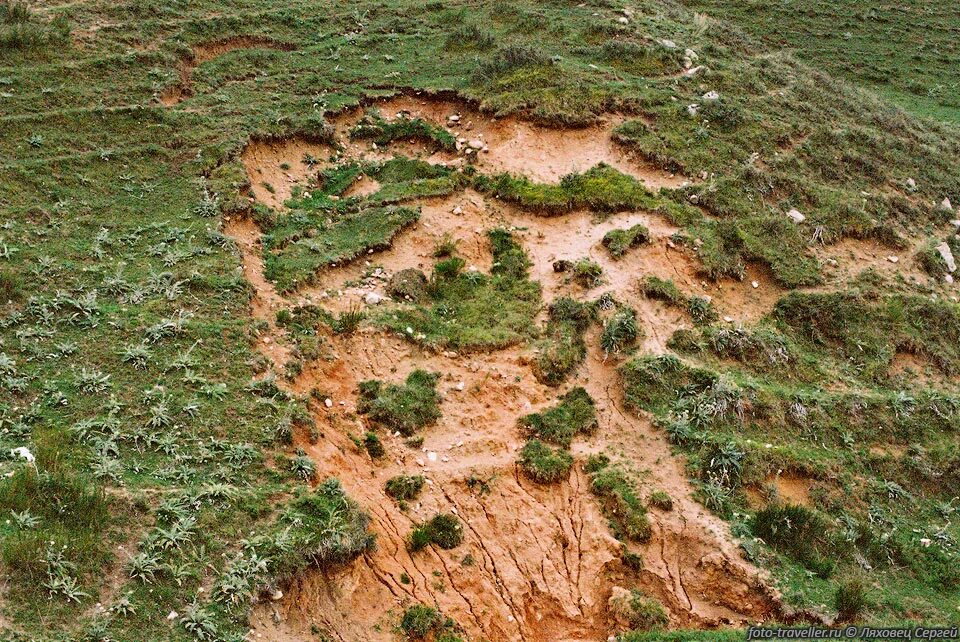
(617, 494)
(562, 348)
(573, 415)
(405, 487)
(901, 49)
(619, 242)
(470, 310)
(443, 529)
(406, 407)
(544, 464)
(128, 363)
(373, 126)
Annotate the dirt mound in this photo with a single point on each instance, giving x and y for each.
(206, 52)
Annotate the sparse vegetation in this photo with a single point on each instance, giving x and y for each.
(618, 497)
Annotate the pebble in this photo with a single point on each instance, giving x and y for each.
(893, 259)
(796, 216)
(946, 205)
(460, 386)
(373, 298)
(623, 20)
(432, 456)
(711, 96)
(755, 285)
(328, 402)
(458, 210)
(669, 44)
(728, 319)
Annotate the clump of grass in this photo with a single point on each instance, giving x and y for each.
(445, 247)
(420, 622)
(470, 37)
(405, 487)
(588, 273)
(618, 242)
(508, 59)
(562, 349)
(620, 331)
(641, 612)
(544, 464)
(373, 445)
(700, 308)
(660, 499)
(601, 189)
(662, 290)
(348, 321)
(573, 415)
(409, 284)
(619, 500)
(797, 532)
(850, 600)
(443, 529)
(323, 527)
(373, 126)
(405, 408)
(302, 243)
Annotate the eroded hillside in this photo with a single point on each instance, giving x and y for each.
(506, 322)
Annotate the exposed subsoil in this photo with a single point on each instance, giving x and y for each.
(538, 562)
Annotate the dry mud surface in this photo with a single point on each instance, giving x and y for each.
(538, 562)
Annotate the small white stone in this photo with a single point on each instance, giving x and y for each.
(925, 542)
(691, 54)
(475, 144)
(911, 184)
(796, 216)
(458, 210)
(460, 386)
(173, 615)
(711, 96)
(432, 456)
(755, 285)
(328, 402)
(669, 44)
(692, 109)
(276, 595)
(893, 259)
(373, 298)
(693, 71)
(946, 205)
(623, 20)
